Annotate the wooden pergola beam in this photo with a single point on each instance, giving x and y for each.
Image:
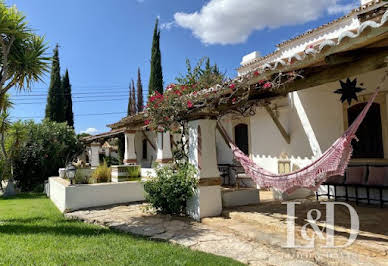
(148, 140)
(339, 67)
(279, 125)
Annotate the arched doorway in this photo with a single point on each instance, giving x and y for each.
(370, 144)
(241, 137)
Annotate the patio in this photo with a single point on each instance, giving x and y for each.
(252, 234)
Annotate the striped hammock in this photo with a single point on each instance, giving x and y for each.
(333, 162)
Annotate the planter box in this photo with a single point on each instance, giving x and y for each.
(240, 197)
(74, 197)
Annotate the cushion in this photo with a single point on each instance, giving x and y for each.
(356, 175)
(378, 176)
(337, 180)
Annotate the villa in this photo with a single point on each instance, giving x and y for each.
(284, 132)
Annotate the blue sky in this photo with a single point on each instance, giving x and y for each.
(103, 42)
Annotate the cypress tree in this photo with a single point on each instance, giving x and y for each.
(55, 110)
(69, 116)
(133, 99)
(129, 108)
(156, 75)
(140, 101)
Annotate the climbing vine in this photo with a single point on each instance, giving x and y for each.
(179, 101)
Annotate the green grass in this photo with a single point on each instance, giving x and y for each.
(34, 232)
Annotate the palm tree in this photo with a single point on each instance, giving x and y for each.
(22, 53)
(22, 62)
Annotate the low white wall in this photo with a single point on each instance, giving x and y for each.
(69, 198)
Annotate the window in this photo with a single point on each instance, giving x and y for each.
(370, 144)
(145, 149)
(241, 137)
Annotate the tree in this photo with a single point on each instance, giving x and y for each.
(55, 108)
(156, 76)
(133, 99)
(46, 147)
(68, 105)
(22, 53)
(129, 108)
(22, 62)
(140, 101)
(203, 77)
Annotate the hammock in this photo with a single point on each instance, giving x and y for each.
(333, 162)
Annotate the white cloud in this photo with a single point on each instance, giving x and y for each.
(231, 21)
(167, 25)
(90, 130)
(342, 9)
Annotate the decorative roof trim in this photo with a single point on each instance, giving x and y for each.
(283, 44)
(312, 51)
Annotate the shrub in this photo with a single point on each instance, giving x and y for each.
(111, 161)
(102, 174)
(81, 178)
(134, 171)
(169, 191)
(46, 147)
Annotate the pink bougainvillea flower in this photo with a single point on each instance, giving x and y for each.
(261, 82)
(170, 87)
(256, 73)
(234, 100)
(267, 85)
(189, 104)
(147, 122)
(232, 86)
(195, 93)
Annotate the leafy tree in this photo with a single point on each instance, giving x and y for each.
(22, 53)
(133, 99)
(55, 108)
(202, 77)
(68, 105)
(45, 147)
(140, 101)
(156, 75)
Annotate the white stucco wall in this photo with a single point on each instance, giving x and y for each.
(69, 198)
(324, 113)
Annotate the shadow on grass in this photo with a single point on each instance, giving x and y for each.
(24, 196)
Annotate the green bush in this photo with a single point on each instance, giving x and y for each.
(169, 191)
(111, 161)
(102, 174)
(81, 179)
(46, 147)
(134, 171)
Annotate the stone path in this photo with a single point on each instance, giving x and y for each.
(223, 237)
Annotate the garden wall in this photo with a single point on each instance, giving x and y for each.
(74, 197)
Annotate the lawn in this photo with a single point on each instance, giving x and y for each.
(34, 232)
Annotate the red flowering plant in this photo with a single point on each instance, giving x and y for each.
(205, 87)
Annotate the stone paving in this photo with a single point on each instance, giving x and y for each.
(220, 236)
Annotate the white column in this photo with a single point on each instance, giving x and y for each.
(130, 153)
(202, 154)
(94, 154)
(164, 154)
